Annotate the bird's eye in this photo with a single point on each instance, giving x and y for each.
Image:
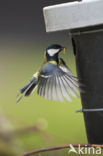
(52, 52)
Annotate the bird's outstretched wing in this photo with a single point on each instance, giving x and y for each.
(64, 67)
(55, 83)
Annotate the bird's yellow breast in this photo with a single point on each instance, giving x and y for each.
(53, 62)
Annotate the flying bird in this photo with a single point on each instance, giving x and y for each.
(54, 80)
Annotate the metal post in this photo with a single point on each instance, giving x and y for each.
(89, 61)
(84, 21)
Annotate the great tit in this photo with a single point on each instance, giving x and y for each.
(54, 80)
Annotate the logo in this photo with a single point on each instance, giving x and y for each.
(84, 150)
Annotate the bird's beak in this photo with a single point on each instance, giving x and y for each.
(64, 49)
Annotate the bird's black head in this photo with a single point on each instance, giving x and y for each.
(52, 52)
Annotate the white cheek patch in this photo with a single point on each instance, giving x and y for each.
(52, 52)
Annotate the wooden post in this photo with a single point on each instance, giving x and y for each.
(84, 20)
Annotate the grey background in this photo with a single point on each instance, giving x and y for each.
(21, 21)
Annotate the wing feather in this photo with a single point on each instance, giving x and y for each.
(54, 96)
(50, 89)
(71, 84)
(76, 83)
(46, 89)
(64, 89)
(39, 86)
(57, 84)
(71, 87)
(55, 88)
(43, 87)
(59, 91)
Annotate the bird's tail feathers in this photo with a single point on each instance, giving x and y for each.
(27, 89)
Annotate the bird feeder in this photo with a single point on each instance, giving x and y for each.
(84, 21)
